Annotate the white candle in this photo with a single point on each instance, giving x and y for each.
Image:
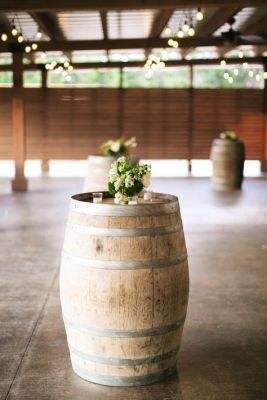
(147, 196)
(97, 198)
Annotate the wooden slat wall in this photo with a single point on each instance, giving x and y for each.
(72, 123)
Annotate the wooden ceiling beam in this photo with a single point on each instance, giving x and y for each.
(74, 5)
(120, 44)
(213, 22)
(170, 63)
(160, 22)
(257, 23)
(49, 25)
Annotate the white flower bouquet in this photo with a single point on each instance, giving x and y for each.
(127, 180)
(119, 147)
(228, 135)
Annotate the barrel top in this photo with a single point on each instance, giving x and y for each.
(161, 204)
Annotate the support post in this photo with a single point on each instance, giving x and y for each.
(45, 160)
(264, 150)
(190, 121)
(121, 102)
(19, 183)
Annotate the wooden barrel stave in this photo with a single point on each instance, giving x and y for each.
(136, 295)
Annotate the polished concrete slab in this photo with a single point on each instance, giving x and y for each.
(223, 354)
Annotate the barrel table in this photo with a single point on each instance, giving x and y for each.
(124, 288)
(227, 163)
(97, 173)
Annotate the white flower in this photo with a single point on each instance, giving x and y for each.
(113, 173)
(121, 159)
(118, 183)
(115, 146)
(120, 199)
(146, 179)
(131, 142)
(129, 181)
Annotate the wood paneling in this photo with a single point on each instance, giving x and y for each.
(72, 123)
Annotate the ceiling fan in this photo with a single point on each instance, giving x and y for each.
(236, 37)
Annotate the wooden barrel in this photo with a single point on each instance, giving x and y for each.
(124, 289)
(228, 163)
(97, 173)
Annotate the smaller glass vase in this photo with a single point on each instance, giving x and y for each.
(132, 200)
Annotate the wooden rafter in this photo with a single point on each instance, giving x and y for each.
(170, 63)
(73, 5)
(49, 25)
(257, 23)
(214, 21)
(70, 45)
(159, 23)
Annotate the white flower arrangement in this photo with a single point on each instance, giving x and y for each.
(127, 180)
(228, 135)
(119, 147)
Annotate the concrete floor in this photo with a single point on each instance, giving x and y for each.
(223, 354)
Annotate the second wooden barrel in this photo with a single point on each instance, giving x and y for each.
(228, 163)
(97, 173)
(124, 289)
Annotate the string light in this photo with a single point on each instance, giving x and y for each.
(68, 78)
(39, 35)
(4, 37)
(14, 31)
(191, 31)
(257, 77)
(168, 31)
(34, 46)
(223, 62)
(226, 75)
(250, 74)
(200, 14)
(180, 33)
(185, 26)
(230, 79)
(235, 71)
(240, 54)
(20, 38)
(245, 65)
(70, 68)
(170, 42)
(28, 49)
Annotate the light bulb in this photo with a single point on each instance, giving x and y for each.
(60, 68)
(226, 75)
(180, 33)
(66, 64)
(168, 31)
(162, 64)
(28, 49)
(240, 54)
(170, 42)
(64, 73)
(250, 74)
(185, 26)
(230, 79)
(39, 35)
(14, 31)
(62, 59)
(245, 65)
(34, 46)
(4, 37)
(175, 44)
(223, 62)
(43, 55)
(47, 66)
(68, 78)
(191, 31)
(200, 14)
(70, 68)
(257, 77)
(235, 71)
(20, 38)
